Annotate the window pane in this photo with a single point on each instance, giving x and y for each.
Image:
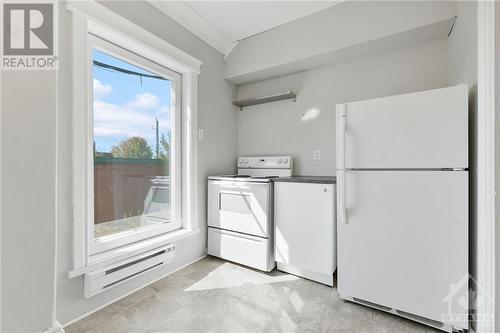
(132, 131)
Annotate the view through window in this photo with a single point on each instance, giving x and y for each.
(132, 140)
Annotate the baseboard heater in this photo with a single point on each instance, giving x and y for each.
(101, 280)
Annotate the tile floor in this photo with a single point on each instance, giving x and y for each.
(212, 295)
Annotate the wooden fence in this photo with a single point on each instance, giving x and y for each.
(121, 185)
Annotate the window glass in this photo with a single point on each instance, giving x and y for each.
(132, 137)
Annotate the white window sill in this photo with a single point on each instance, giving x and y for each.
(110, 257)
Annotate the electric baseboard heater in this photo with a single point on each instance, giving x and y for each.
(101, 280)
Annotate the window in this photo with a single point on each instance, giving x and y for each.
(134, 112)
(136, 147)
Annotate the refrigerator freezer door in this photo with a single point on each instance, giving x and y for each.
(404, 244)
(425, 129)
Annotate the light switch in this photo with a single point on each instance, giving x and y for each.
(317, 154)
(201, 134)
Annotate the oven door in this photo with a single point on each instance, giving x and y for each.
(240, 206)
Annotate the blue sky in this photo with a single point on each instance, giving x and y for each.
(123, 107)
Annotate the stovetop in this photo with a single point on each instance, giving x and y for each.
(243, 178)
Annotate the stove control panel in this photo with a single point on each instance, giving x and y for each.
(265, 162)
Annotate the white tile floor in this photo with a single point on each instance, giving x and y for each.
(212, 295)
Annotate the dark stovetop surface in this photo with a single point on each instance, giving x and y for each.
(307, 179)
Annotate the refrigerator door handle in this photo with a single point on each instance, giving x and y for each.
(341, 129)
(342, 211)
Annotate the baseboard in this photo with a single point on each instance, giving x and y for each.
(86, 314)
(55, 328)
(326, 279)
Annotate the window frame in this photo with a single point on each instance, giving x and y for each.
(97, 245)
(91, 17)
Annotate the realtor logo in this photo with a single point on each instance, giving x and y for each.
(28, 36)
(463, 300)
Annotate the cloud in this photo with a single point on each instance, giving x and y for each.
(144, 101)
(164, 110)
(101, 89)
(111, 120)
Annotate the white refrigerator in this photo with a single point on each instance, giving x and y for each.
(402, 205)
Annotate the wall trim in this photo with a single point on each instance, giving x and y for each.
(86, 314)
(486, 164)
(1, 223)
(55, 328)
(179, 60)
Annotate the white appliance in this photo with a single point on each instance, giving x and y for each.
(402, 203)
(304, 224)
(240, 211)
(100, 280)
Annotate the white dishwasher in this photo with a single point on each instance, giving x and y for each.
(305, 227)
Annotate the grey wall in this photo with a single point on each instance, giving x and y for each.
(217, 154)
(286, 127)
(28, 112)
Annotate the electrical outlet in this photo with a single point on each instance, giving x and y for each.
(317, 154)
(201, 134)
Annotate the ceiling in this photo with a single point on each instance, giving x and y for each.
(223, 23)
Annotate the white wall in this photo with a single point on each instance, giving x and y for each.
(28, 113)
(28, 217)
(497, 160)
(217, 154)
(279, 127)
(463, 69)
(331, 33)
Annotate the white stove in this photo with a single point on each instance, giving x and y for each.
(240, 211)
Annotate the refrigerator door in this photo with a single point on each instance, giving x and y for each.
(425, 129)
(404, 242)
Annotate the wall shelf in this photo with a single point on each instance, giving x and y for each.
(265, 99)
